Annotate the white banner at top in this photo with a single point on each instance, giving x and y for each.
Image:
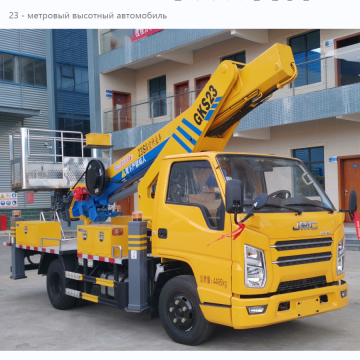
(181, 14)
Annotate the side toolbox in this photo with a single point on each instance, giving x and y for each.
(30, 233)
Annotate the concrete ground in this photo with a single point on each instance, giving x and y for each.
(29, 322)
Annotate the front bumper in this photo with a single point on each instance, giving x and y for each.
(302, 303)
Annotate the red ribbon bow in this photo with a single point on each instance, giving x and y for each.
(236, 233)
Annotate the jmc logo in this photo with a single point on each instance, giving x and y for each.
(308, 225)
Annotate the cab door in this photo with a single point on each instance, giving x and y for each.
(189, 219)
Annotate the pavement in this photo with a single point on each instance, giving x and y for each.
(29, 322)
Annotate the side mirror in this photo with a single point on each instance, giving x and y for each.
(352, 203)
(234, 196)
(260, 201)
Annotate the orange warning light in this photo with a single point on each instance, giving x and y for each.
(16, 213)
(137, 216)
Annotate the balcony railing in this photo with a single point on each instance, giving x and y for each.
(149, 111)
(340, 69)
(114, 39)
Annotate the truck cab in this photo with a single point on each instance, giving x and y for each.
(287, 263)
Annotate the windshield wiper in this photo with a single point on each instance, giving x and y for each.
(314, 205)
(283, 207)
(279, 207)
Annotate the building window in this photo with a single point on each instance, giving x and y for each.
(347, 66)
(73, 149)
(193, 183)
(22, 70)
(238, 57)
(72, 78)
(7, 67)
(81, 80)
(313, 158)
(158, 106)
(306, 49)
(33, 71)
(67, 80)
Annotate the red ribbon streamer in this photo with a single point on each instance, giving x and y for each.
(357, 224)
(236, 233)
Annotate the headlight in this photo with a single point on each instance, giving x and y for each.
(252, 310)
(255, 267)
(341, 257)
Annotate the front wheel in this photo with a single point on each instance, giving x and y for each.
(56, 284)
(180, 313)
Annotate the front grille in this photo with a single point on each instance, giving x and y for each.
(303, 259)
(302, 284)
(302, 244)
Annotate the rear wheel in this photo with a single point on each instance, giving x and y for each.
(180, 313)
(56, 284)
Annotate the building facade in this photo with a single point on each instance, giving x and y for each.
(23, 103)
(43, 85)
(71, 83)
(143, 79)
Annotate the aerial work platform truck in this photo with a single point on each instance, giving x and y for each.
(237, 239)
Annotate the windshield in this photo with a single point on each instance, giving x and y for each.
(288, 182)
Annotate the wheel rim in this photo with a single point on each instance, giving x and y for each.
(181, 312)
(56, 287)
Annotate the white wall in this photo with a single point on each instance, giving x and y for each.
(120, 80)
(205, 62)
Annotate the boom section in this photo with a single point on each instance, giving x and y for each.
(230, 94)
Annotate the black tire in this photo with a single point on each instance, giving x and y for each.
(56, 284)
(177, 294)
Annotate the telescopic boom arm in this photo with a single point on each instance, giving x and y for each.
(230, 94)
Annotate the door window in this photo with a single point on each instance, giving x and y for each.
(193, 183)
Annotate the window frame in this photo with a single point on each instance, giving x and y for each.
(310, 162)
(202, 208)
(22, 72)
(35, 72)
(292, 85)
(2, 67)
(18, 69)
(75, 86)
(64, 76)
(152, 112)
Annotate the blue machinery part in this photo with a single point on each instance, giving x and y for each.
(95, 207)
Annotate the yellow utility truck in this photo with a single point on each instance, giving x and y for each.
(237, 239)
